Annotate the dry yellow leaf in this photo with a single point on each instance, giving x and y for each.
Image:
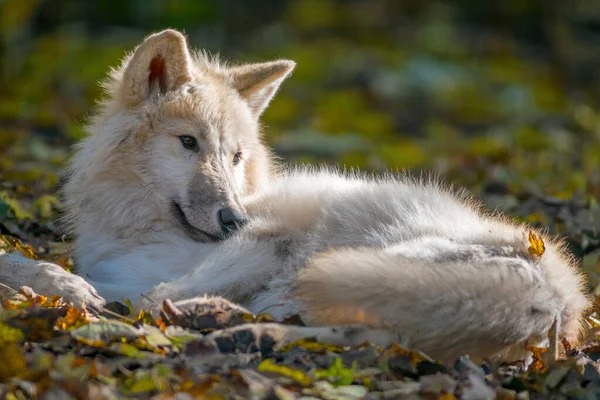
(536, 245)
(14, 363)
(56, 301)
(73, 319)
(312, 346)
(295, 374)
(395, 350)
(538, 364)
(266, 317)
(145, 317)
(9, 334)
(249, 318)
(26, 250)
(32, 297)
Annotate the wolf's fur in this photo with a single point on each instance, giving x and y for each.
(417, 262)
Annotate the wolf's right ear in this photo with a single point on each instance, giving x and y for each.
(160, 64)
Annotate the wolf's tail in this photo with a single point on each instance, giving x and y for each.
(445, 307)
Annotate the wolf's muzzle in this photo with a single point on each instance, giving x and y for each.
(196, 234)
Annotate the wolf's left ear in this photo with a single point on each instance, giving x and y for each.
(160, 64)
(258, 83)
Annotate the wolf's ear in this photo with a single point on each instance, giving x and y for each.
(257, 83)
(160, 64)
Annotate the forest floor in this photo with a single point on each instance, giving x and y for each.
(50, 348)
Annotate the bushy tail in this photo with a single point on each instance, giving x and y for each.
(446, 307)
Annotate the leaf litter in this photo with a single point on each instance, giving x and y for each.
(48, 346)
(51, 348)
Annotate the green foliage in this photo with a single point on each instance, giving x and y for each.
(337, 373)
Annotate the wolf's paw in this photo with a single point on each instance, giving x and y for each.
(73, 288)
(47, 279)
(205, 304)
(204, 313)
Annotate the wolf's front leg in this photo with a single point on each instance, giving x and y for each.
(47, 279)
(236, 270)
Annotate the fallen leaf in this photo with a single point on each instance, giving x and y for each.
(8, 334)
(161, 324)
(538, 364)
(311, 345)
(294, 374)
(13, 361)
(102, 333)
(536, 245)
(25, 249)
(72, 320)
(337, 373)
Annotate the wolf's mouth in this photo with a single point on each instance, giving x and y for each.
(196, 234)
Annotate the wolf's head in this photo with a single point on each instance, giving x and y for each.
(176, 144)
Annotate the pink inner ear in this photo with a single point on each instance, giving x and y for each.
(158, 74)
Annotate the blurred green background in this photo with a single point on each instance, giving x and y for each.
(379, 84)
(502, 97)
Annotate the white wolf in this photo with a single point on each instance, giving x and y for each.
(174, 195)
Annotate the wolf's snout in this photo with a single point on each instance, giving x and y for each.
(230, 219)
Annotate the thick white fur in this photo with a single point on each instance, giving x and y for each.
(407, 257)
(396, 252)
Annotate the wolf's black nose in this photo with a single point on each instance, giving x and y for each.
(230, 220)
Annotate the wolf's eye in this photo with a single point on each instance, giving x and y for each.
(237, 157)
(189, 142)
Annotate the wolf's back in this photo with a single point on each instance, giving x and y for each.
(445, 277)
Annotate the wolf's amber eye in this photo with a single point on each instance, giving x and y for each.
(189, 142)
(237, 157)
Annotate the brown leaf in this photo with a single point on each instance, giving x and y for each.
(538, 364)
(567, 346)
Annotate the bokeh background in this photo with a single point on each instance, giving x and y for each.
(501, 97)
